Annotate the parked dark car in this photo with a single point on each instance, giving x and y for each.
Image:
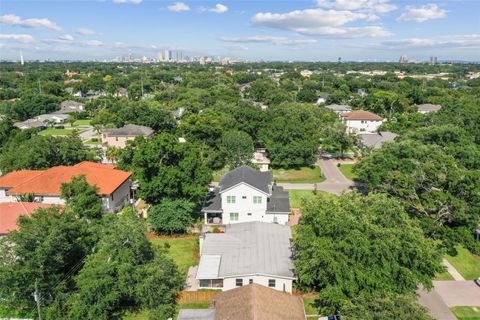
(477, 281)
(59, 127)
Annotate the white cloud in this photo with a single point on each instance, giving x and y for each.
(457, 41)
(237, 47)
(23, 38)
(319, 22)
(219, 8)
(424, 13)
(86, 31)
(178, 7)
(269, 39)
(379, 6)
(14, 20)
(128, 1)
(91, 43)
(66, 37)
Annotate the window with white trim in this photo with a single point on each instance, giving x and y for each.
(239, 282)
(257, 199)
(233, 216)
(271, 283)
(230, 199)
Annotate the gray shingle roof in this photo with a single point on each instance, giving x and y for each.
(251, 248)
(257, 179)
(339, 107)
(279, 202)
(375, 140)
(213, 202)
(129, 130)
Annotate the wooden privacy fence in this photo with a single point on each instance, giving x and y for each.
(196, 296)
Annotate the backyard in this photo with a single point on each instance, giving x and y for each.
(466, 263)
(183, 250)
(56, 132)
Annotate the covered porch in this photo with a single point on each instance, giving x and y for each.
(213, 218)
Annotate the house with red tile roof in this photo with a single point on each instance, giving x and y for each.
(113, 185)
(11, 211)
(361, 121)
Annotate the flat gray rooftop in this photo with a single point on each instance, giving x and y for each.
(248, 248)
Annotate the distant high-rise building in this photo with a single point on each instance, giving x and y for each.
(166, 55)
(433, 60)
(403, 59)
(225, 61)
(179, 56)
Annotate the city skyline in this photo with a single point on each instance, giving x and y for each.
(322, 30)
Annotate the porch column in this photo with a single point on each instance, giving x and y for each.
(205, 218)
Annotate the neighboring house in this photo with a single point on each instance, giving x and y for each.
(71, 106)
(375, 140)
(323, 97)
(250, 302)
(29, 124)
(339, 108)
(245, 195)
(121, 92)
(361, 121)
(80, 94)
(246, 253)
(113, 185)
(260, 159)
(11, 211)
(53, 118)
(306, 73)
(120, 136)
(428, 107)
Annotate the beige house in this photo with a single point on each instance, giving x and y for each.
(119, 137)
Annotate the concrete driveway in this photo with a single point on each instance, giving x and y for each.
(458, 293)
(435, 305)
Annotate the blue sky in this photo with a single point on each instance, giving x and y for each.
(368, 30)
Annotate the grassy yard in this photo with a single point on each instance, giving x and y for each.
(85, 122)
(301, 175)
(91, 141)
(467, 313)
(466, 263)
(296, 196)
(308, 304)
(56, 132)
(184, 251)
(346, 170)
(444, 276)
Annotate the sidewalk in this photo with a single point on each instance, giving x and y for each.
(453, 272)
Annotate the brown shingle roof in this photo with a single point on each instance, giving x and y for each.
(257, 302)
(361, 115)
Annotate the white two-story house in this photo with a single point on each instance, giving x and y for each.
(361, 121)
(246, 195)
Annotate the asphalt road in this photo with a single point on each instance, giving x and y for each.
(434, 303)
(335, 182)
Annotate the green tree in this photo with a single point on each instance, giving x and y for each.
(166, 168)
(48, 248)
(354, 245)
(238, 148)
(124, 273)
(81, 198)
(171, 216)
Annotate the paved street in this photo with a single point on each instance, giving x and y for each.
(335, 182)
(434, 303)
(458, 293)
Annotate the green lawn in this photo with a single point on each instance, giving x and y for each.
(296, 196)
(91, 141)
(56, 132)
(82, 122)
(467, 313)
(444, 276)
(466, 263)
(346, 170)
(184, 251)
(308, 304)
(301, 175)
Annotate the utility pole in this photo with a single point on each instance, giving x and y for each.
(37, 296)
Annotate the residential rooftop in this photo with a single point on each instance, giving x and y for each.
(375, 140)
(361, 115)
(129, 130)
(248, 175)
(48, 182)
(11, 211)
(246, 249)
